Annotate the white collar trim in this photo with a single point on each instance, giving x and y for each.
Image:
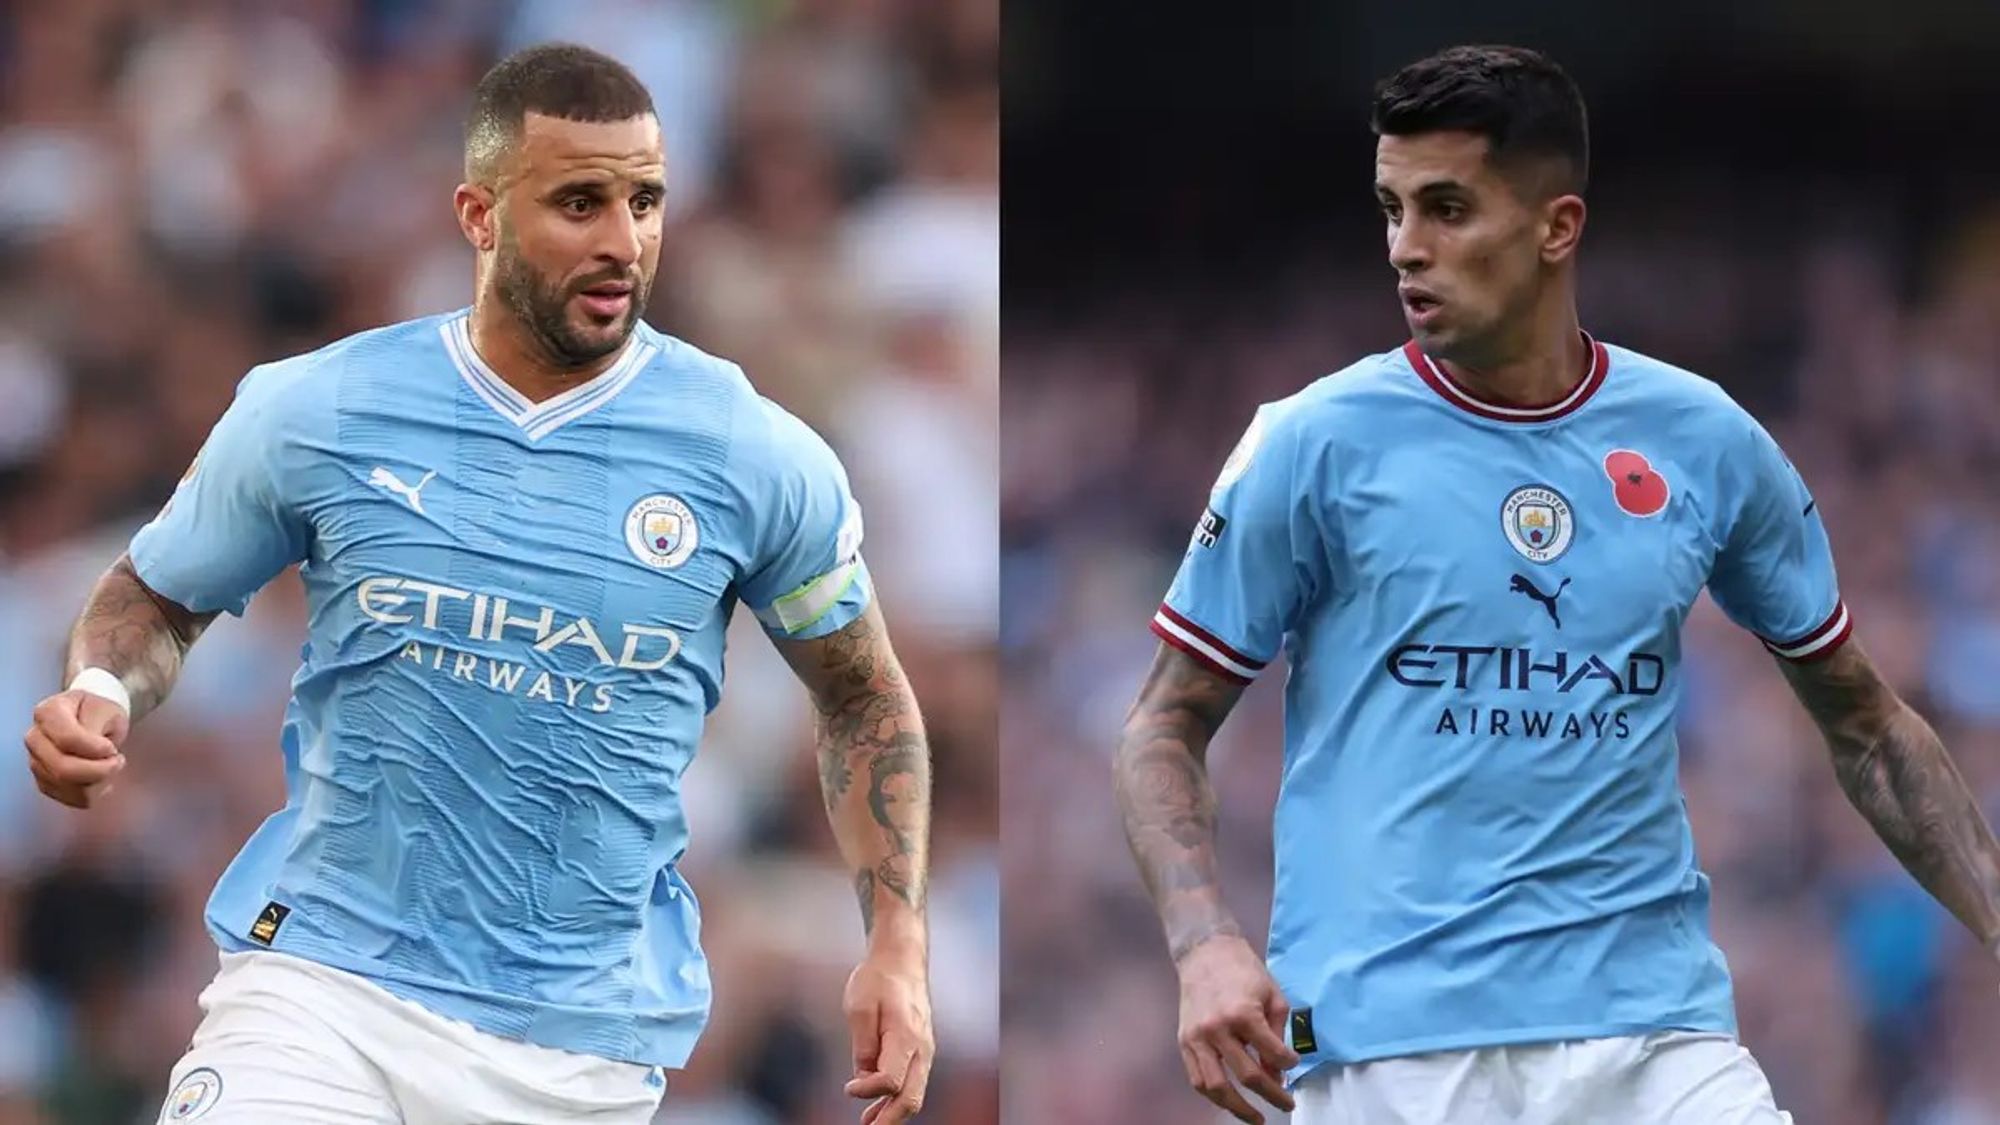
(540, 419)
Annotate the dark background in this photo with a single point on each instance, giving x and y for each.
(1798, 200)
(1140, 136)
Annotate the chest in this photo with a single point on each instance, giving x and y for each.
(1592, 537)
(470, 529)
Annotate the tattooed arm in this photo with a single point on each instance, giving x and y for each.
(874, 771)
(875, 776)
(135, 634)
(1168, 806)
(1896, 771)
(140, 638)
(1229, 1003)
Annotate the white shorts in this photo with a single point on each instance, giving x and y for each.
(1666, 1078)
(285, 1040)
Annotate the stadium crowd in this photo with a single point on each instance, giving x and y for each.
(1871, 355)
(190, 187)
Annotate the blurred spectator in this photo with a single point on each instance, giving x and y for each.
(190, 188)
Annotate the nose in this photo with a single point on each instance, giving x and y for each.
(619, 237)
(1408, 251)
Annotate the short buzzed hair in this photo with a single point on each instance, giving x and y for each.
(555, 79)
(1525, 106)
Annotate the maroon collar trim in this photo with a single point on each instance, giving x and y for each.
(1449, 389)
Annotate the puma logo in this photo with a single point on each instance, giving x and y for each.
(383, 478)
(1521, 585)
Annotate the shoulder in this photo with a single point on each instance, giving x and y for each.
(781, 443)
(1675, 396)
(689, 368)
(1693, 423)
(1333, 407)
(701, 382)
(314, 377)
(763, 436)
(1368, 383)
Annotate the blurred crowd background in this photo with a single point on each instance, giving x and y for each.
(1789, 208)
(190, 187)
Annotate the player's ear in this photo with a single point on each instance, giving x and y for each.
(1562, 227)
(474, 204)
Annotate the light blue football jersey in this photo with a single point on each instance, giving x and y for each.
(1480, 834)
(516, 619)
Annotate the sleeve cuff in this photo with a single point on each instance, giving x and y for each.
(1818, 644)
(164, 581)
(1205, 647)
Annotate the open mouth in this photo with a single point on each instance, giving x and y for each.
(1420, 305)
(607, 300)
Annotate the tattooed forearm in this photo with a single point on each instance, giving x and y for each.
(864, 891)
(898, 785)
(128, 630)
(870, 730)
(1167, 803)
(1896, 772)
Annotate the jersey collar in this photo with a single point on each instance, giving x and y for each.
(540, 419)
(1449, 389)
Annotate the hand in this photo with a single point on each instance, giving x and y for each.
(889, 1012)
(73, 746)
(1230, 1004)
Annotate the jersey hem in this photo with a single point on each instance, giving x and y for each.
(670, 1046)
(1463, 1041)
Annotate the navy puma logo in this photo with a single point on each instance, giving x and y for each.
(1520, 584)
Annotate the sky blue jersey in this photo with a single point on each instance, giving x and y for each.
(516, 619)
(1480, 833)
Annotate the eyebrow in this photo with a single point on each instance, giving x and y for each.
(595, 185)
(1429, 190)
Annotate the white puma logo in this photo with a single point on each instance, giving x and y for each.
(383, 478)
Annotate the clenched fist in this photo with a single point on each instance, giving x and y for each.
(73, 748)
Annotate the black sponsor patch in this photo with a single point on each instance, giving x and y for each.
(265, 928)
(1210, 528)
(1303, 1039)
(1302, 1032)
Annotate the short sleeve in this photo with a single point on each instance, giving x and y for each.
(1249, 566)
(1774, 574)
(226, 530)
(807, 578)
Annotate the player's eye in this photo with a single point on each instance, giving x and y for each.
(1451, 211)
(577, 205)
(645, 201)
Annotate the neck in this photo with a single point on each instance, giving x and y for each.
(1538, 364)
(521, 360)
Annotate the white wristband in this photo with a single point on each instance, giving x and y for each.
(104, 685)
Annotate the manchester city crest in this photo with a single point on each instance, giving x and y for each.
(195, 1095)
(661, 531)
(1538, 522)
(1239, 458)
